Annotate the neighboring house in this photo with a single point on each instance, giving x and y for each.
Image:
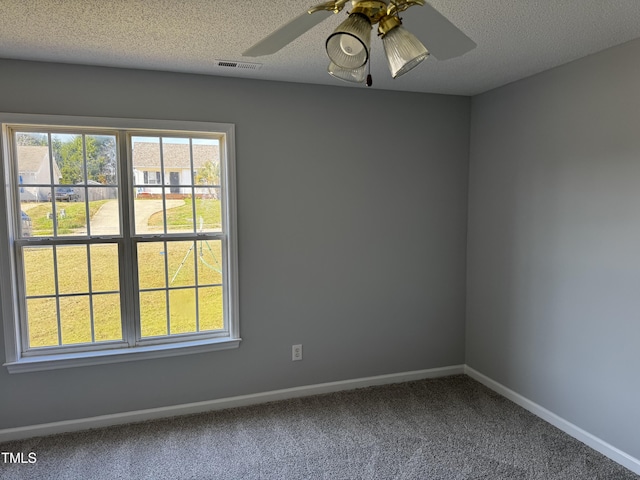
(178, 168)
(33, 168)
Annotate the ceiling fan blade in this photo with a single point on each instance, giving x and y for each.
(441, 37)
(287, 33)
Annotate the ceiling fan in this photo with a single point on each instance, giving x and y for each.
(348, 47)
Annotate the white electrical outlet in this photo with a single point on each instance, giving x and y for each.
(296, 352)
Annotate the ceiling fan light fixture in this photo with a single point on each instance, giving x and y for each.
(402, 48)
(348, 45)
(353, 75)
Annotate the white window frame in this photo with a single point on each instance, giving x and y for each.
(18, 361)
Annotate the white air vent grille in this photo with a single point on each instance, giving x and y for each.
(238, 65)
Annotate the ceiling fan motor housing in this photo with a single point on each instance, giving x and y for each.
(373, 9)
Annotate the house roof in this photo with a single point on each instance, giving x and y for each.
(175, 155)
(31, 158)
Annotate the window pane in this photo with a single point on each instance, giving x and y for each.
(66, 194)
(42, 318)
(73, 274)
(26, 223)
(101, 159)
(36, 219)
(182, 308)
(104, 268)
(211, 308)
(208, 210)
(106, 317)
(149, 218)
(153, 313)
(68, 153)
(34, 167)
(75, 319)
(38, 271)
(151, 266)
(70, 218)
(210, 262)
(176, 158)
(146, 163)
(104, 210)
(181, 258)
(206, 161)
(179, 215)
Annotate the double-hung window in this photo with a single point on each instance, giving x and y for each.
(101, 268)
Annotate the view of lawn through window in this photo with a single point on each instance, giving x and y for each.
(73, 235)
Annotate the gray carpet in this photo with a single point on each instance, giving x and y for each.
(449, 428)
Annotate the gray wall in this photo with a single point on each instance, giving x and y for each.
(352, 235)
(553, 308)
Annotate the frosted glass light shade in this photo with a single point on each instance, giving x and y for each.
(355, 75)
(348, 45)
(403, 51)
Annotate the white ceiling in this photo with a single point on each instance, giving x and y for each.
(516, 38)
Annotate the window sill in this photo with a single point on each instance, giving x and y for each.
(69, 360)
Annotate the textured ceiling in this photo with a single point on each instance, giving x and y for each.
(516, 38)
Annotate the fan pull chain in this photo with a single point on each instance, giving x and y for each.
(369, 77)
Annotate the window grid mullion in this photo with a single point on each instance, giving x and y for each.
(90, 289)
(162, 289)
(82, 294)
(166, 282)
(192, 188)
(57, 291)
(85, 168)
(163, 192)
(196, 283)
(194, 199)
(127, 254)
(52, 188)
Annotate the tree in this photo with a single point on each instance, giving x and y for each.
(209, 174)
(71, 159)
(108, 163)
(100, 154)
(31, 139)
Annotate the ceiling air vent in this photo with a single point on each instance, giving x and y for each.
(238, 65)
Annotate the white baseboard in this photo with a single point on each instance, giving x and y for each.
(20, 433)
(576, 432)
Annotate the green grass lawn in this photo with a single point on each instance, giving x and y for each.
(74, 217)
(182, 217)
(179, 262)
